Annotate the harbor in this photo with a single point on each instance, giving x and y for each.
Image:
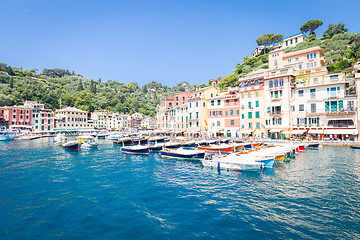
(49, 192)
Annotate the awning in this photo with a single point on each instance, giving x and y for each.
(316, 131)
(298, 131)
(246, 131)
(342, 131)
(275, 130)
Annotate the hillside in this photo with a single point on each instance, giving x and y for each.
(17, 85)
(341, 51)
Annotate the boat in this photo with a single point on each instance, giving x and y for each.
(231, 162)
(138, 149)
(140, 141)
(89, 144)
(218, 148)
(83, 138)
(188, 144)
(59, 139)
(202, 143)
(114, 136)
(6, 135)
(71, 145)
(125, 141)
(183, 153)
(157, 139)
(156, 147)
(313, 145)
(355, 147)
(172, 145)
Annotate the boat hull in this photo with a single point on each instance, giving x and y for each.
(232, 165)
(71, 146)
(214, 149)
(170, 154)
(135, 151)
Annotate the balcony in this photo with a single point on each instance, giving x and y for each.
(347, 111)
(275, 113)
(276, 99)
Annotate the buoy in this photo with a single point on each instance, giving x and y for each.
(162, 158)
(236, 169)
(124, 155)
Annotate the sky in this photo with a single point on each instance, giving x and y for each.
(166, 41)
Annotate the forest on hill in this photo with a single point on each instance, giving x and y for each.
(18, 85)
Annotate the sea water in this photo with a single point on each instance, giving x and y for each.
(51, 193)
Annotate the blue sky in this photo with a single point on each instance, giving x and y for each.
(143, 41)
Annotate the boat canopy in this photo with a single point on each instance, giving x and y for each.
(316, 131)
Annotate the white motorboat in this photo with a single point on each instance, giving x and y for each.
(71, 145)
(138, 149)
(114, 136)
(232, 162)
(89, 144)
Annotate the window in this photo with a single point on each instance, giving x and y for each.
(289, 60)
(301, 93)
(327, 107)
(350, 106)
(226, 113)
(218, 102)
(203, 104)
(275, 63)
(237, 112)
(333, 106)
(256, 84)
(297, 59)
(293, 108)
(257, 114)
(314, 54)
(197, 104)
(212, 102)
(212, 95)
(218, 123)
(249, 103)
(231, 112)
(248, 85)
(249, 95)
(242, 86)
(197, 115)
(313, 108)
(190, 105)
(249, 115)
(270, 84)
(333, 92)
(250, 125)
(301, 107)
(257, 125)
(307, 65)
(296, 40)
(242, 116)
(312, 93)
(190, 115)
(334, 77)
(232, 122)
(287, 43)
(276, 94)
(291, 41)
(235, 101)
(256, 103)
(227, 102)
(300, 66)
(276, 83)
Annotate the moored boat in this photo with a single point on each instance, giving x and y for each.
(71, 145)
(89, 144)
(182, 153)
(231, 162)
(157, 147)
(138, 149)
(172, 145)
(218, 148)
(188, 144)
(125, 141)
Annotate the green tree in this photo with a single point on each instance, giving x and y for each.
(334, 29)
(310, 27)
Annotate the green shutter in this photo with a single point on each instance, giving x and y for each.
(327, 107)
(257, 103)
(257, 114)
(341, 105)
(249, 114)
(333, 106)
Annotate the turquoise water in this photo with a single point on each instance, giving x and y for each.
(50, 193)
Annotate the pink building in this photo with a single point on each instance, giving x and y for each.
(224, 114)
(17, 115)
(308, 58)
